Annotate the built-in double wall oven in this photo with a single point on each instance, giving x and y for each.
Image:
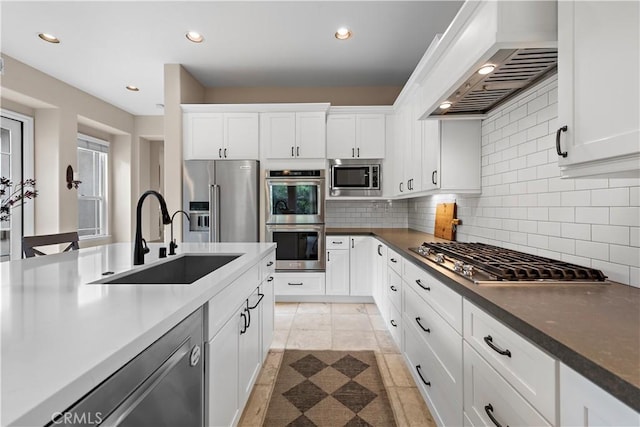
(295, 218)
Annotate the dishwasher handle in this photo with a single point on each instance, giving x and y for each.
(130, 403)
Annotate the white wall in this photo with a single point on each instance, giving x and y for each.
(526, 206)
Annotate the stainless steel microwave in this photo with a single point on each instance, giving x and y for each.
(355, 178)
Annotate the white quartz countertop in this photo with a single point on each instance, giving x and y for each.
(62, 336)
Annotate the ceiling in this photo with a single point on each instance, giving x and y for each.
(108, 45)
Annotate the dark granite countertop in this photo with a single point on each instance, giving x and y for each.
(594, 329)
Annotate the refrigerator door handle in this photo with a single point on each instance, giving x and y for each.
(214, 213)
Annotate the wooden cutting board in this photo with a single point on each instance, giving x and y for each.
(446, 221)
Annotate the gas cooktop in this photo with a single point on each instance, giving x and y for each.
(487, 264)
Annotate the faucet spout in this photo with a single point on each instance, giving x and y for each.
(172, 243)
(138, 247)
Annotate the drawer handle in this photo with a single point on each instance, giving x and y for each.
(337, 243)
(295, 284)
(270, 263)
(393, 323)
(253, 307)
(380, 250)
(419, 371)
(270, 279)
(427, 330)
(426, 288)
(393, 260)
(558, 149)
(393, 288)
(244, 323)
(489, 410)
(489, 340)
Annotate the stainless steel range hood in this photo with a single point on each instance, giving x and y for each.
(515, 70)
(518, 37)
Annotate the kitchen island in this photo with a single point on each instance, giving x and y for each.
(593, 329)
(62, 335)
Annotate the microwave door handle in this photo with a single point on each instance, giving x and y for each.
(214, 213)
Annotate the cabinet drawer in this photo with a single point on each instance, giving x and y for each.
(443, 396)
(527, 368)
(487, 394)
(337, 242)
(394, 260)
(442, 339)
(393, 289)
(394, 323)
(267, 266)
(224, 304)
(446, 302)
(299, 283)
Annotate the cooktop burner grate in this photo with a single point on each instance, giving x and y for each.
(510, 265)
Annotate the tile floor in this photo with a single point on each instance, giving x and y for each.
(325, 326)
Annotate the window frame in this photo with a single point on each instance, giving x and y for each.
(103, 178)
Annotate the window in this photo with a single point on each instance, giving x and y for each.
(93, 156)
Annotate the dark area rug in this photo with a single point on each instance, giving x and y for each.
(329, 389)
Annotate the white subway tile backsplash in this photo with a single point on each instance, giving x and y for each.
(526, 206)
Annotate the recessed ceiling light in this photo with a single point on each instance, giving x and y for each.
(445, 105)
(49, 38)
(132, 88)
(343, 33)
(195, 37)
(486, 69)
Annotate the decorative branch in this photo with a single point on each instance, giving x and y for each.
(22, 191)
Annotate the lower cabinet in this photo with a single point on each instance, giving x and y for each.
(490, 400)
(337, 272)
(267, 315)
(379, 279)
(299, 283)
(250, 353)
(360, 271)
(585, 404)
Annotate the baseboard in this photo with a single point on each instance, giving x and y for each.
(325, 298)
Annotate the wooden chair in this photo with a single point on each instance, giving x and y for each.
(30, 243)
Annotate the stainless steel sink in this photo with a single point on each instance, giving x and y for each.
(183, 270)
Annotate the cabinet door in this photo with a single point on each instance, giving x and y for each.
(460, 145)
(341, 136)
(203, 136)
(370, 136)
(431, 155)
(222, 368)
(241, 136)
(582, 403)
(337, 280)
(599, 103)
(415, 154)
(311, 130)
(279, 135)
(360, 262)
(380, 273)
(250, 350)
(268, 305)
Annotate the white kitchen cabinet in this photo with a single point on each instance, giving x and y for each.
(408, 131)
(337, 272)
(220, 135)
(223, 368)
(451, 155)
(299, 283)
(360, 265)
(292, 135)
(490, 400)
(267, 315)
(582, 403)
(379, 279)
(250, 350)
(357, 136)
(598, 86)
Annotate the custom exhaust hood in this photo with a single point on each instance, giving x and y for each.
(513, 42)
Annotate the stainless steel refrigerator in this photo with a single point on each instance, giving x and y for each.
(222, 200)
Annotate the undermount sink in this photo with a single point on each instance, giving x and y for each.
(183, 270)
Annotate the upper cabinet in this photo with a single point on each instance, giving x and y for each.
(355, 136)
(292, 135)
(209, 135)
(598, 87)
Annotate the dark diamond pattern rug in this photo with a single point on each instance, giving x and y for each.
(329, 389)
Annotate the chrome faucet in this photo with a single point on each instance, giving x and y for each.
(172, 243)
(138, 248)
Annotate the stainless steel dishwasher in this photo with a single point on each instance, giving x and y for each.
(162, 386)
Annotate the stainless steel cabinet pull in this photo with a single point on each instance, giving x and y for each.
(419, 371)
(558, 132)
(427, 330)
(393, 288)
(489, 340)
(489, 410)
(393, 323)
(426, 288)
(295, 284)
